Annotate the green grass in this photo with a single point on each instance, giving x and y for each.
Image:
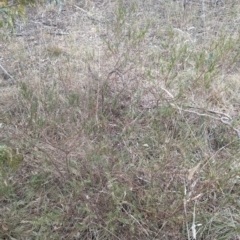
(127, 125)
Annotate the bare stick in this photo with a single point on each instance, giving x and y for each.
(222, 117)
(6, 72)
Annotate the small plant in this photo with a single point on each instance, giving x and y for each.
(10, 160)
(54, 51)
(11, 10)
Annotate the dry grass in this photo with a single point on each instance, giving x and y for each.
(122, 122)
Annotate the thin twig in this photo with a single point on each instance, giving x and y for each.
(165, 90)
(81, 9)
(144, 230)
(224, 118)
(185, 209)
(6, 72)
(194, 233)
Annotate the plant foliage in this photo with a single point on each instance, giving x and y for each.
(10, 10)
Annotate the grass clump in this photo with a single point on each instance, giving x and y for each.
(128, 128)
